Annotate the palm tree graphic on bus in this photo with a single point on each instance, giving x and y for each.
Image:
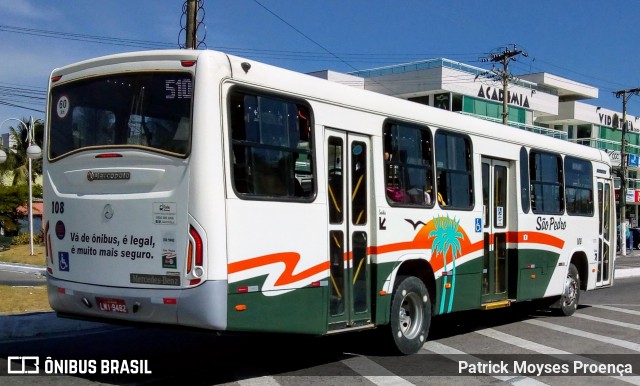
(446, 236)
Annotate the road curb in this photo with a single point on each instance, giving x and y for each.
(25, 268)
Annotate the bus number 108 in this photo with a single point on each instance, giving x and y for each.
(57, 207)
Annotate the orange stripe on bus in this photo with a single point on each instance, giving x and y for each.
(290, 260)
(535, 238)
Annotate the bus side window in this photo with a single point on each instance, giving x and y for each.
(454, 170)
(408, 164)
(546, 175)
(272, 145)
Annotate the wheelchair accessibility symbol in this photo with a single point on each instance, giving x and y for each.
(63, 261)
(478, 225)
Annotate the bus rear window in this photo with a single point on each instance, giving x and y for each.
(148, 110)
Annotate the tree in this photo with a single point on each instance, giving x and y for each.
(17, 161)
(10, 198)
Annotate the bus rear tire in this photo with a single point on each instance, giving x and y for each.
(571, 292)
(410, 315)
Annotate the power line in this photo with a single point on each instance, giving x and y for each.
(305, 35)
(14, 95)
(507, 55)
(86, 38)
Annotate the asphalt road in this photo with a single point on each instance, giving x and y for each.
(19, 276)
(605, 329)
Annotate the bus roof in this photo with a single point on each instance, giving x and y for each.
(325, 91)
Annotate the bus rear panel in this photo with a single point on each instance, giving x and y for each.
(120, 241)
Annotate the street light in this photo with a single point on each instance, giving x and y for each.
(34, 152)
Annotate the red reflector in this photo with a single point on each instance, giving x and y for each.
(61, 290)
(194, 281)
(187, 63)
(48, 247)
(56, 78)
(243, 289)
(109, 155)
(315, 284)
(50, 270)
(169, 301)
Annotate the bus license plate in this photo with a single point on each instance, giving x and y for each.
(112, 305)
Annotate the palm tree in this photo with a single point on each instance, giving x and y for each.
(17, 161)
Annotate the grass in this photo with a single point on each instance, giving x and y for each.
(18, 300)
(23, 299)
(21, 254)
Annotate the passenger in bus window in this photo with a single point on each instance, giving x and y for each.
(427, 197)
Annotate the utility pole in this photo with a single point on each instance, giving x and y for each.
(192, 24)
(507, 55)
(622, 201)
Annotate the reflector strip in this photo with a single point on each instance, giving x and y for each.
(245, 289)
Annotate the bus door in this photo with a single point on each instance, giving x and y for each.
(495, 222)
(348, 191)
(605, 239)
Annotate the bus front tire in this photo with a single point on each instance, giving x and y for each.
(410, 315)
(571, 292)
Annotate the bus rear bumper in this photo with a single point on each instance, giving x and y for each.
(204, 306)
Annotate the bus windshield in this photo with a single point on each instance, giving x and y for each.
(151, 110)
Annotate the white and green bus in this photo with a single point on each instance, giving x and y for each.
(205, 190)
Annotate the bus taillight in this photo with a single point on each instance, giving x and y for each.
(47, 243)
(195, 255)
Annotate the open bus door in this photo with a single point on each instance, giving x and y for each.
(348, 187)
(606, 242)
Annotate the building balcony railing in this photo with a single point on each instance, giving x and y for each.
(607, 144)
(535, 129)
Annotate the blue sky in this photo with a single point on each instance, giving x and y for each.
(588, 41)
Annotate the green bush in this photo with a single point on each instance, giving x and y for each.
(23, 238)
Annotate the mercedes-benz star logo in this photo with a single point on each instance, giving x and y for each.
(108, 212)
